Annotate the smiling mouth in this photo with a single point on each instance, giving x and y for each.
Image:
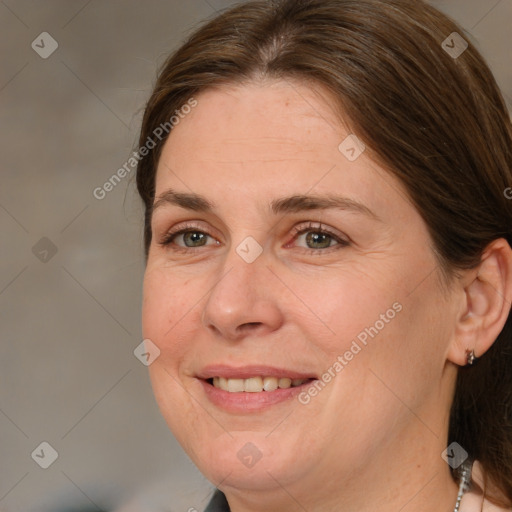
(255, 384)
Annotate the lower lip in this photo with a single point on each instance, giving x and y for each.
(250, 402)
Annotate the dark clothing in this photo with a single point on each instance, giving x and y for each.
(218, 503)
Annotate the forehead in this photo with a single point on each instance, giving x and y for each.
(263, 141)
(273, 118)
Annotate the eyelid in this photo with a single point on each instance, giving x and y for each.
(312, 226)
(166, 238)
(341, 240)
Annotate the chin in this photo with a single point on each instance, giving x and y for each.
(248, 460)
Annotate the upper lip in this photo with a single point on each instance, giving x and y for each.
(245, 372)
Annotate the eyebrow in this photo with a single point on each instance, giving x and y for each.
(290, 204)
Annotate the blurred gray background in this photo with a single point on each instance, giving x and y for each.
(71, 265)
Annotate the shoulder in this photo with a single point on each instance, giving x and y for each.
(473, 500)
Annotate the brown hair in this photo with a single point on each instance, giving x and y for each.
(436, 121)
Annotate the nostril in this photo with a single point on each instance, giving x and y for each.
(249, 327)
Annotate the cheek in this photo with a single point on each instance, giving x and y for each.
(343, 306)
(168, 313)
(375, 320)
(407, 356)
(167, 308)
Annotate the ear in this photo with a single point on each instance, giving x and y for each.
(486, 303)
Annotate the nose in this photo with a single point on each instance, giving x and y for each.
(244, 300)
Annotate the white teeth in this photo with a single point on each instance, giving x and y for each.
(255, 384)
(235, 385)
(270, 383)
(285, 383)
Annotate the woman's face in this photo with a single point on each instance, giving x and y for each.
(301, 259)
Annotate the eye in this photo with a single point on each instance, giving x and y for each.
(186, 238)
(318, 237)
(192, 238)
(315, 236)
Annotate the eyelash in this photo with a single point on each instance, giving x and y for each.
(312, 227)
(169, 237)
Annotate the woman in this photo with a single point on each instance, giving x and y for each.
(329, 270)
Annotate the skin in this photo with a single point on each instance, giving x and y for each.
(375, 433)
